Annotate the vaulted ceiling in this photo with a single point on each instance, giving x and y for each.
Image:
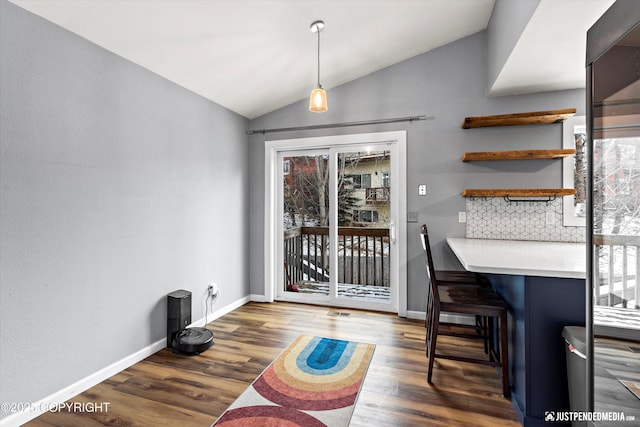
(254, 56)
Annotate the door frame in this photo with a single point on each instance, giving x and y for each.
(272, 148)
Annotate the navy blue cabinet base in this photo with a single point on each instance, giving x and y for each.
(539, 308)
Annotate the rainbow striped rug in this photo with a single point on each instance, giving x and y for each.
(315, 382)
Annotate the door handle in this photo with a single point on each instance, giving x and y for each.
(392, 232)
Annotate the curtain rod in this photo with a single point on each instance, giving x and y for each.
(341, 125)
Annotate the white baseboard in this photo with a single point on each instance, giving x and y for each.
(40, 407)
(421, 315)
(258, 298)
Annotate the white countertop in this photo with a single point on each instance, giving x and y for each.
(518, 257)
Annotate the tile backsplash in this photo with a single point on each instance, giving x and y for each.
(496, 218)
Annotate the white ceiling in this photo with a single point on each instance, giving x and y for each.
(255, 56)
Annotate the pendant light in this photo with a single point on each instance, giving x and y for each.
(318, 98)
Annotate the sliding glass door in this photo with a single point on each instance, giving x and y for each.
(336, 234)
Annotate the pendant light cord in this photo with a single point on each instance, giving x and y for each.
(319, 57)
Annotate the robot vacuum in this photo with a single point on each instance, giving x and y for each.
(192, 341)
(180, 338)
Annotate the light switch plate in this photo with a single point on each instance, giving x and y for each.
(422, 190)
(462, 217)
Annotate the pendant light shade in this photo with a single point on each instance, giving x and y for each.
(318, 98)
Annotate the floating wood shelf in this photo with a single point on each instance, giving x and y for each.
(532, 118)
(519, 192)
(517, 155)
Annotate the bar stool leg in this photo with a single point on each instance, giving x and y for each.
(490, 337)
(484, 330)
(432, 343)
(429, 324)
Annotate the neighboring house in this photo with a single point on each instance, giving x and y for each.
(370, 183)
(365, 183)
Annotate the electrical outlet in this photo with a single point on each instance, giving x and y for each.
(412, 216)
(212, 289)
(462, 217)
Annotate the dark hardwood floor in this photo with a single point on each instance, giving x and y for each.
(172, 390)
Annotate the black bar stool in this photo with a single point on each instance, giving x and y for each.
(460, 298)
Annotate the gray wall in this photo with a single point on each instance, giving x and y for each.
(508, 20)
(449, 83)
(117, 187)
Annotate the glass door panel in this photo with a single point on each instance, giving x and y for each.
(305, 220)
(364, 220)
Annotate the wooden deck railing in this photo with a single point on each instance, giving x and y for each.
(363, 255)
(618, 274)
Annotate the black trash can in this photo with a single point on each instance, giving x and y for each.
(576, 354)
